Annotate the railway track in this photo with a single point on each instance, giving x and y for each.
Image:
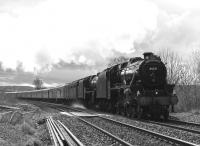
(145, 131)
(158, 135)
(180, 125)
(115, 139)
(184, 123)
(60, 134)
(60, 141)
(166, 138)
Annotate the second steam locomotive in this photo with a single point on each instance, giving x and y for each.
(135, 88)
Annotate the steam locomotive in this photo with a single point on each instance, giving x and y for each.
(135, 88)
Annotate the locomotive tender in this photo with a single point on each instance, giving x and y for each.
(135, 88)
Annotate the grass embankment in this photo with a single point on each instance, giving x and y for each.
(189, 98)
(24, 127)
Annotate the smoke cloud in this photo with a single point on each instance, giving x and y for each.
(177, 29)
(66, 40)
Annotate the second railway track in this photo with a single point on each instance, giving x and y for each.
(130, 131)
(185, 126)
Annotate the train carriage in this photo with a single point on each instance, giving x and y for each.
(45, 93)
(102, 85)
(51, 93)
(81, 94)
(58, 92)
(66, 92)
(62, 94)
(73, 90)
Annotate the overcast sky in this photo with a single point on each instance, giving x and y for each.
(63, 40)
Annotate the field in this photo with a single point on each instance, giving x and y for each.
(23, 127)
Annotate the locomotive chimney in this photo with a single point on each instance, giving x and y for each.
(147, 55)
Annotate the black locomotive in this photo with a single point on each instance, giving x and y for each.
(136, 88)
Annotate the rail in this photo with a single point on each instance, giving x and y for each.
(175, 140)
(117, 139)
(61, 137)
(175, 127)
(182, 122)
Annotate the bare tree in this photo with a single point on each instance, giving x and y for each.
(195, 66)
(185, 74)
(117, 60)
(174, 64)
(38, 83)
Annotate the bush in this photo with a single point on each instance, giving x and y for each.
(189, 98)
(33, 142)
(27, 129)
(3, 142)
